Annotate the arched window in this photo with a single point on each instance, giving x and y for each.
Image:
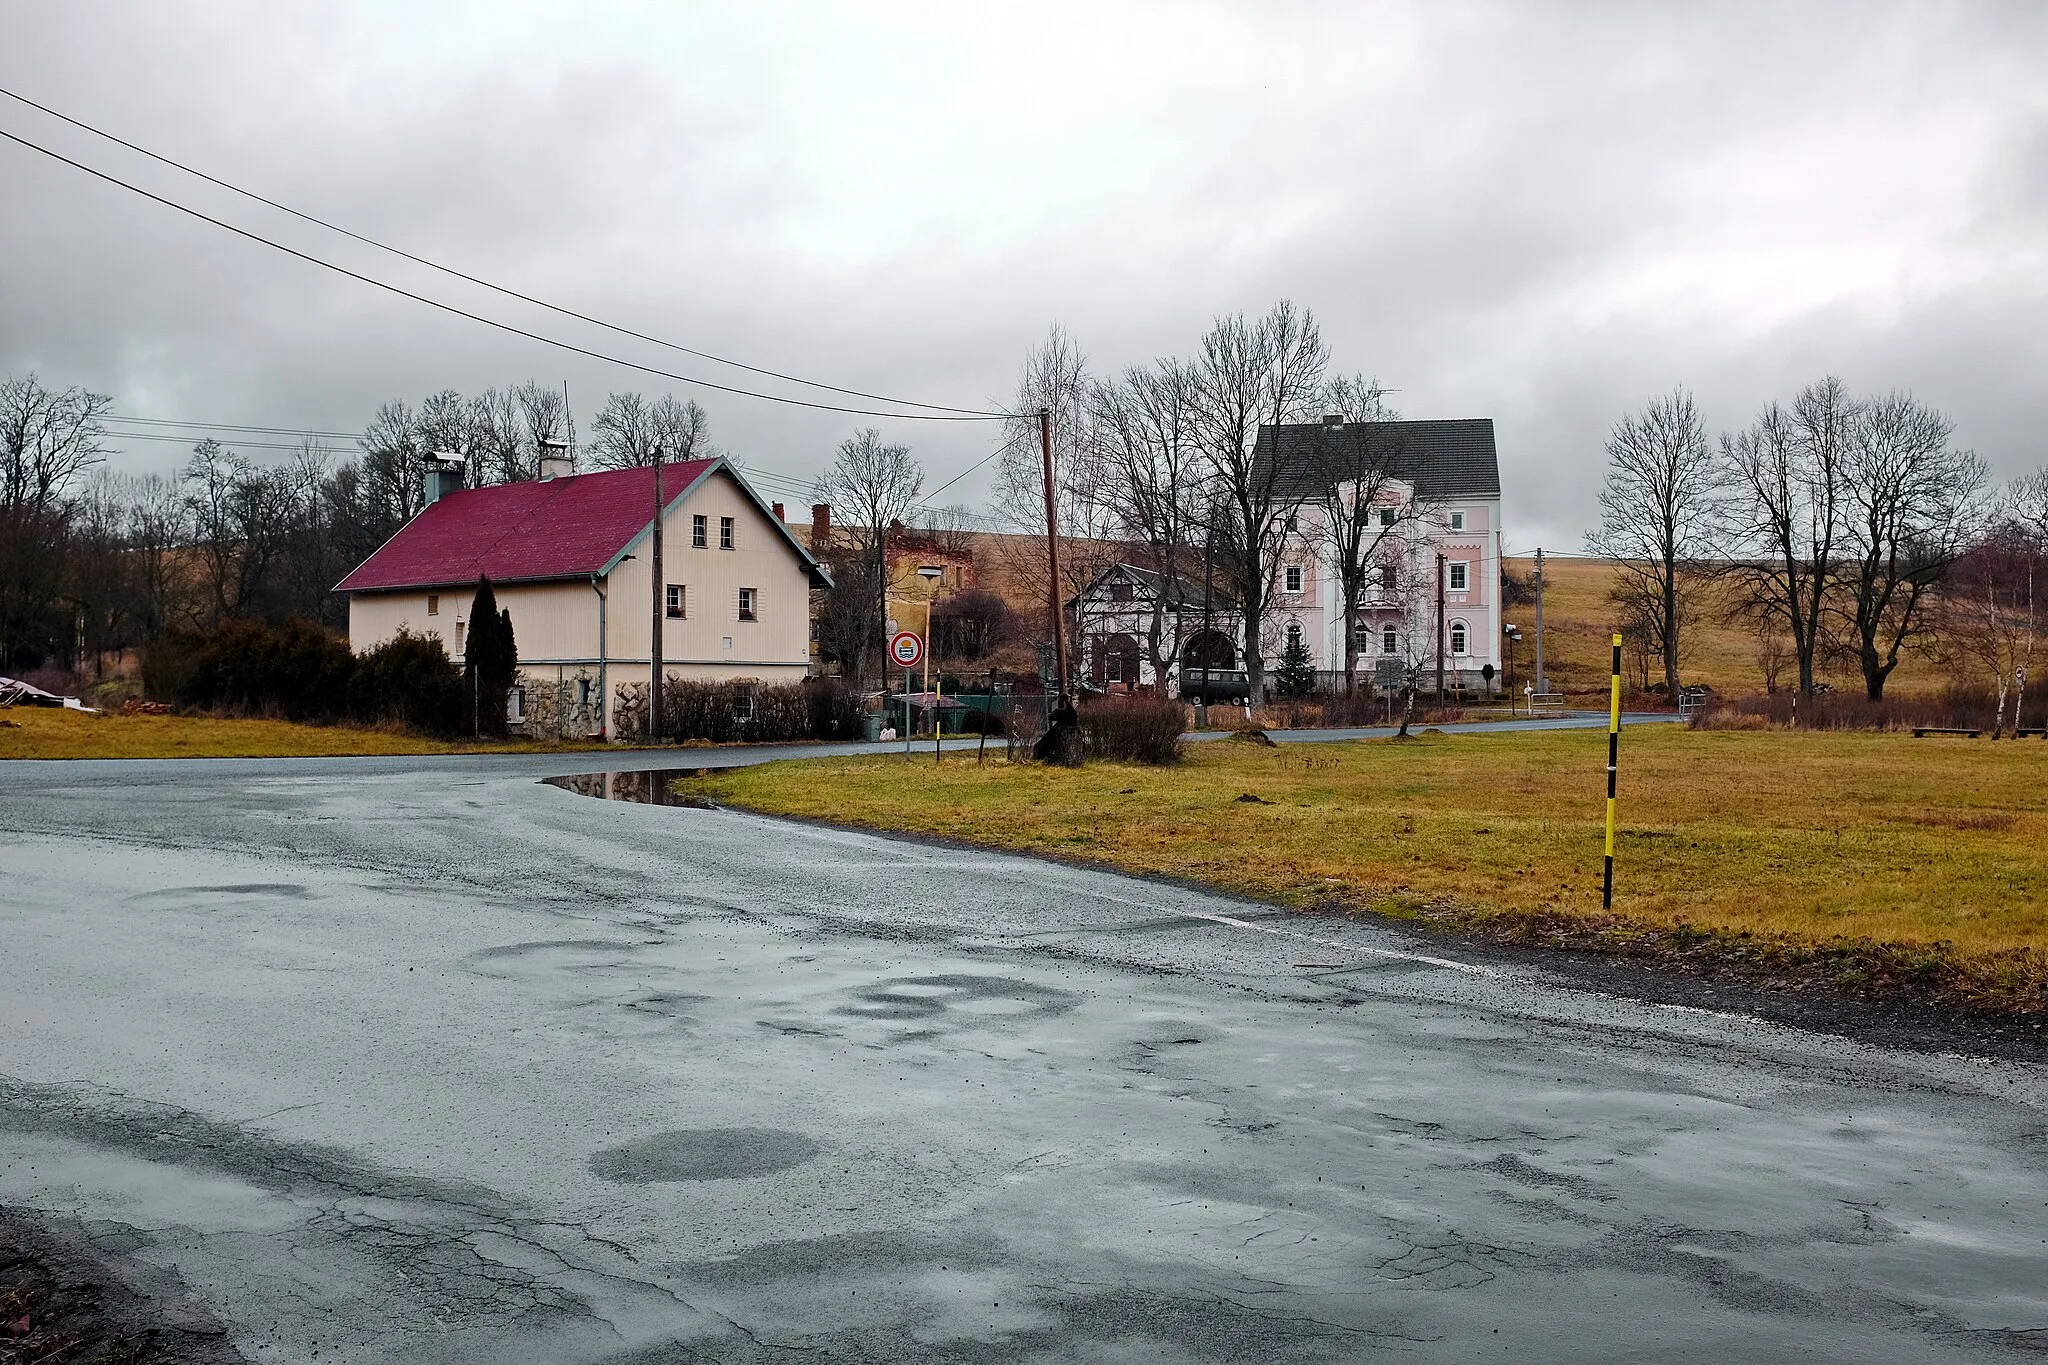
(1390, 640)
(1294, 634)
(1457, 637)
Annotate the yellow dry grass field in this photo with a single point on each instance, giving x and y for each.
(1806, 835)
(1579, 623)
(40, 732)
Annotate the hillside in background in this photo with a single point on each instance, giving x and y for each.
(1578, 620)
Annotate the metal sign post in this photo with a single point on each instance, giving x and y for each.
(1613, 754)
(906, 649)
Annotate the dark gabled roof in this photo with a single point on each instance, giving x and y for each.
(571, 527)
(1443, 459)
(1188, 591)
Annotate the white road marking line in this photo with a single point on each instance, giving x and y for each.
(1341, 946)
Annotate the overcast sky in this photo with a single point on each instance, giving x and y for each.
(1538, 214)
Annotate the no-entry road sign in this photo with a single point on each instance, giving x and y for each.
(906, 648)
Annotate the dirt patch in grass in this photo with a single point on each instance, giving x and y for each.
(1857, 865)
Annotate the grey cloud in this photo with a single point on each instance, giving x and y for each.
(1540, 214)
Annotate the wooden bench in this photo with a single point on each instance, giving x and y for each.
(1922, 731)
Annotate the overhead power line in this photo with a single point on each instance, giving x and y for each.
(234, 426)
(506, 327)
(482, 283)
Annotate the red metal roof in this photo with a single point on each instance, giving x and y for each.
(520, 532)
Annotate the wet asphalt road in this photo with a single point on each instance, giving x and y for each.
(423, 1060)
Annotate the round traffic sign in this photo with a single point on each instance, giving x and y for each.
(906, 648)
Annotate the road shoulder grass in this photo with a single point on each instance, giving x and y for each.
(1871, 865)
(48, 732)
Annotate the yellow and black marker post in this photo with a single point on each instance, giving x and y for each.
(1613, 756)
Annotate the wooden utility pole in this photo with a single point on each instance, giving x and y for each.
(1052, 557)
(660, 607)
(1439, 628)
(1541, 686)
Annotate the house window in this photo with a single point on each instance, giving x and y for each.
(1112, 663)
(1457, 578)
(725, 533)
(1457, 521)
(1458, 637)
(747, 598)
(1386, 516)
(1294, 578)
(697, 532)
(1119, 591)
(1390, 640)
(676, 602)
(1388, 578)
(458, 637)
(1294, 635)
(433, 604)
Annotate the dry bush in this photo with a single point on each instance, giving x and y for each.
(1955, 707)
(1135, 729)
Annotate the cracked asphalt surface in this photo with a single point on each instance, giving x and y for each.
(423, 1060)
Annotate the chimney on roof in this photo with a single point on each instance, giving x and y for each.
(555, 460)
(444, 475)
(1333, 419)
(821, 525)
(778, 512)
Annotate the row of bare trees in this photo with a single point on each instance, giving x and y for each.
(1164, 458)
(1835, 522)
(94, 562)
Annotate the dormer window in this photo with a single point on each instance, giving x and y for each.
(1386, 516)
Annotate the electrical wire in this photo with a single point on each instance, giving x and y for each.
(233, 426)
(490, 322)
(483, 283)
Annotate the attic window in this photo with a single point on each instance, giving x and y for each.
(697, 541)
(725, 533)
(1119, 591)
(433, 604)
(1386, 516)
(1457, 521)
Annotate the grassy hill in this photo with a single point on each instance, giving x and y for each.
(1578, 621)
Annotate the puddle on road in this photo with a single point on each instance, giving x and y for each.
(648, 787)
(704, 1154)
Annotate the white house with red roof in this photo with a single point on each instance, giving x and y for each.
(570, 559)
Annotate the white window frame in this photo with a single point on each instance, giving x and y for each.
(700, 533)
(1461, 575)
(1292, 577)
(676, 602)
(725, 534)
(1387, 515)
(1461, 640)
(1390, 639)
(1457, 521)
(748, 607)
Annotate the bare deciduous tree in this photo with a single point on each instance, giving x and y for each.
(1248, 374)
(1986, 617)
(1359, 514)
(48, 440)
(1144, 420)
(1782, 519)
(629, 429)
(1910, 502)
(872, 485)
(1055, 378)
(1656, 521)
